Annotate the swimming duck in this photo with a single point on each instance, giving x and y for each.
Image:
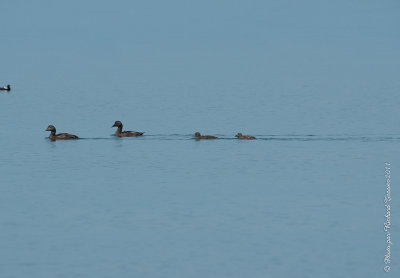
(197, 136)
(5, 88)
(120, 133)
(62, 136)
(241, 136)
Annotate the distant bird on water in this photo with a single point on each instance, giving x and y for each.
(198, 136)
(241, 136)
(62, 136)
(5, 88)
(128, 133)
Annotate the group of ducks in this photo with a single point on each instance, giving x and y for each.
(119, 133)
(197, 135)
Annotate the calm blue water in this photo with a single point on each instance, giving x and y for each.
(317, 84)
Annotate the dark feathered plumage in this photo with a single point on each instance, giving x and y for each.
(120, 133)
(5, 88)
(62, 136)
(197, 135)
(241, 136)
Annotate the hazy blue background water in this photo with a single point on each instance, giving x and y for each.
(317, 83)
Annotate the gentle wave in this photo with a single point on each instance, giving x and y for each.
(291, 137)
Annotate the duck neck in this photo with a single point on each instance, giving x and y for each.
(52, 135)
(119, 129)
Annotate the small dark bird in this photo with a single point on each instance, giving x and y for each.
(62, 136)
(120, 133)
(198, 136)
(5, 88)
(241, 136)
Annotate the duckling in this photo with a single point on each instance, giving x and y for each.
(62, 136)
(198, 136)
(5, 88)
(241, 136)
(120, 133)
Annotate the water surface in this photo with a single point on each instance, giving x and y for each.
(317, 85)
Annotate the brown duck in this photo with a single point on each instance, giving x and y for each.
(241, 136)
(197, 136)
(120, 133)
(62, 136)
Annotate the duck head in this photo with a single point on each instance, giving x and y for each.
(197, 134)
(117, 124)
(51, 128)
